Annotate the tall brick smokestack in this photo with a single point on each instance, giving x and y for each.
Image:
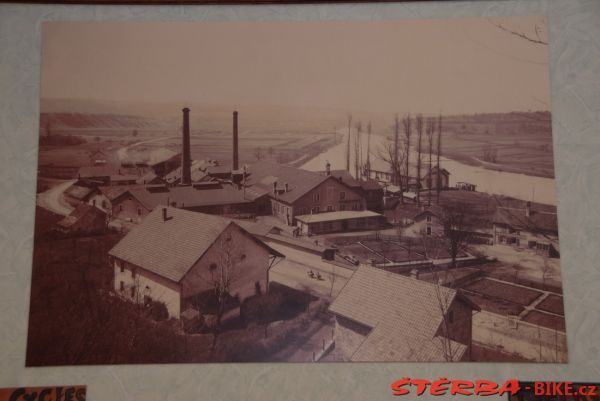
(235, 140)
(186, 162)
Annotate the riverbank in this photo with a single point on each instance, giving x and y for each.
(492, 181)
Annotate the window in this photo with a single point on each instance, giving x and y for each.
(429, 218)
(327, 226)
(122, 267)
(330, 208)
(132, 291)
(342, 207)
(315, 210)
(132, 272)
(93, 202)
(212, 267)
(122, 286)
(342, 195)
(120, 208)
(139, 211)
(428, 230)
(316, 197)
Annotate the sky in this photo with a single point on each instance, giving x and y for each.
(452, 66)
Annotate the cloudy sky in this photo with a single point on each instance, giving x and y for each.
(431, 66)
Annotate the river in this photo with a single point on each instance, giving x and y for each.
(520, 186)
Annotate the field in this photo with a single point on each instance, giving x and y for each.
(553, 304)
(496, 289)
(546, 320)
(522, 142)
(495, 305)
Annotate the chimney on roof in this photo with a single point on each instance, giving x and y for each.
(235, 140)
(414, 273)
(528, 209)
(328, 168)
(186, 163)
(164, 214)
(275, 187)
(287, 187)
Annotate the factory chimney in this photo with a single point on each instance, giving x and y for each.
(235, 140)
(186, 163)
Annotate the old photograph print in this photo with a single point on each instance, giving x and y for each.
(296, 192)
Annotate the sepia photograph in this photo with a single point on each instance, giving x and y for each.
(332, 191)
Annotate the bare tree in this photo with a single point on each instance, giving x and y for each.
(407, 122)
(368, 164)
(258, 153)
(223, 272)
(457, 230)
(439, 152)
(419, 127)
(430, 139)
(391, 153)
(546, 270)
(357, 149)
(348, 146)
(444, 298)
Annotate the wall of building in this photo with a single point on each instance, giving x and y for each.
(329, 196)
(139, 283)
(100, 201)
(419, 227)
(349, 335)
(127, 207)
(460, 324)
(358, 224)
(537, 242)
(251, 263)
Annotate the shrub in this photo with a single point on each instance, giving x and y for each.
(158, 311)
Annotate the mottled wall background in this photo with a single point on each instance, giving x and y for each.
(575, 73)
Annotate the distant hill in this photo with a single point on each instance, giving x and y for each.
(501, 124)
(80, 120)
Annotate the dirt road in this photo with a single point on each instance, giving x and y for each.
(53, 199)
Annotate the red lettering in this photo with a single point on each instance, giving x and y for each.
(439, 387)
(461, 387)
(421, 385)
(485, 387)
(398, 386)
(510, 386)
(539, 388)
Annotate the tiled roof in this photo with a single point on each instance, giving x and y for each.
(347, 178)
(114, 191)
(404, 314)
(170, 248)
(80, 211)
(186, 197)
(516, 218)
(77, 191)
(299, 181)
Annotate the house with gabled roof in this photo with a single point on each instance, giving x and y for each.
(297, 192)
(370, 189)
(174, 256)
(384, 316)
(526, 228)
(224, 199)
(83, 219)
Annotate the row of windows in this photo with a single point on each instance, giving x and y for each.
(329, 208)
(330, 194)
